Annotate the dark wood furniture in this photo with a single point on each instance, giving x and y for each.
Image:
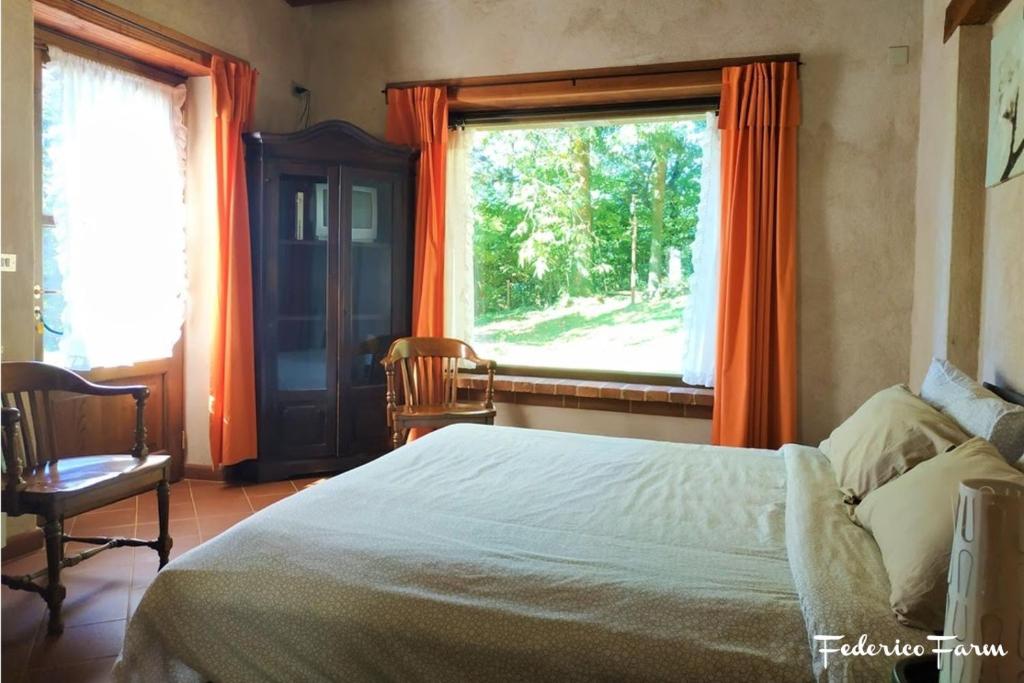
(970, 12)
(331, 212)
(429, 367)
(40, 480)
(915, 670)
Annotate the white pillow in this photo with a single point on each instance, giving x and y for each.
(977, 410)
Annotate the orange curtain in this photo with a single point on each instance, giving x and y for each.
(755, 373)
(232, 363)
(418, 117)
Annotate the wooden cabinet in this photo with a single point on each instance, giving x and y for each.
(331, 212)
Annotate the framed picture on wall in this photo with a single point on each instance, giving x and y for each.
(1006, 102)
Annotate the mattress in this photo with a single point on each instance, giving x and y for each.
(491, 553)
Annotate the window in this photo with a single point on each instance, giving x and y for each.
(113, 242)
(578, 242)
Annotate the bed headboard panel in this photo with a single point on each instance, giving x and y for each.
(1006, 393)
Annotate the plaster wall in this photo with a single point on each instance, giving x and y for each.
(273, 36)
(1002, 292)
(857, 140)
(17, 168)
(17, 212)
(201, 255)
(970, 239)
(682, 430)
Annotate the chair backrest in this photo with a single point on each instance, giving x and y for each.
(27, 386)
(429, 367)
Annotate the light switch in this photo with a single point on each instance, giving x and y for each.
(8, 263)
(899, 55)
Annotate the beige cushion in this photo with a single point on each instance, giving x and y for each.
(891, 433)
(912, 519)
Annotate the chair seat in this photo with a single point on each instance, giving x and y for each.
(446, 410)
(71, 475)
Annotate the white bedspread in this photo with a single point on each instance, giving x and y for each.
(489, 553)
(838, 571)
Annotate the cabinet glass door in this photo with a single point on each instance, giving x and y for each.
(302, 264)
(375, 280)
(371, 221)
(302, 312)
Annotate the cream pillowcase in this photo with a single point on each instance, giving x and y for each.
(912, 519)
(976, 409)
(890, 433)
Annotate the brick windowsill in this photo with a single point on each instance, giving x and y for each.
(622, 397)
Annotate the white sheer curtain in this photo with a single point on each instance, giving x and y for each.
(701, 312)
(116, 146)
(459, 300)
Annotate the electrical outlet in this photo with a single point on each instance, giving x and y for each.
(8, 263)
(899, 55)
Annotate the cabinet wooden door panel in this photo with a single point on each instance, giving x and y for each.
(330, 213)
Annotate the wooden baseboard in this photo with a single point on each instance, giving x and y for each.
(23, 544)
(206, 472)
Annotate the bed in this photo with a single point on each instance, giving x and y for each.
(494, 553)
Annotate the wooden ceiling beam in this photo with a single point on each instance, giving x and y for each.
(970, 13)
(303, 3)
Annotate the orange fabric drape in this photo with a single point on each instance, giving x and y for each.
(755, 373)
(418, 117)
(232, 362)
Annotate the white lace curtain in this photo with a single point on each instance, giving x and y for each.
(459, 305)
(700, 317)
(116, 146)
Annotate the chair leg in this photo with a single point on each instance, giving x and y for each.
(396, 437)
(163, 506)
(53, 532)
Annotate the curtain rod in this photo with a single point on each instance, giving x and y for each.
(600, 72)
(584, 112)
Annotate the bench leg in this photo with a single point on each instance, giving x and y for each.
(53, 531)
(163, 507)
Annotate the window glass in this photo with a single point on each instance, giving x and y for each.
(582, 237)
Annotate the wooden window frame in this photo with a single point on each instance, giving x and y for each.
(102, 24)
(45, 38)
(104, 32)
(676, 87)
(571, 113)
(107, 33)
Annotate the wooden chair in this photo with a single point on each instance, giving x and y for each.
(430, 374)
(38, 481)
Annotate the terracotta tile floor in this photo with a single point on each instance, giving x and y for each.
(104, 590)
